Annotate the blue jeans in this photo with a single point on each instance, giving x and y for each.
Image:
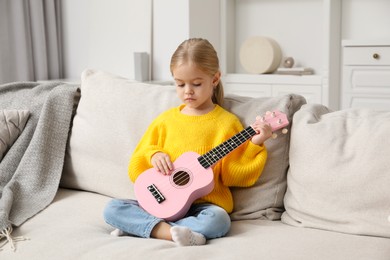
(207, 219)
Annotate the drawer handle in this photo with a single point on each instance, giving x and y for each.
(376, 56)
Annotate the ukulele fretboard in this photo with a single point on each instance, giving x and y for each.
(226, 147)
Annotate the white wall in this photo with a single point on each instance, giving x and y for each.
(103, 34)
(177, 20)
(170, 25)
(363, 19)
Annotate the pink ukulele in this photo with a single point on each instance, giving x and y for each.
(170, 196)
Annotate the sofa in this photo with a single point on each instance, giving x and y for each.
(324, 192)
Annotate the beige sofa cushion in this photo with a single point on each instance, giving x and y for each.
(265, 198)
(339, 176)
(111, 117)
(113, 114)
(12, 123)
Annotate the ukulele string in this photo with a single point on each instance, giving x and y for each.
(181, 177)
(176, 178)
(225, 148)
(212, 157)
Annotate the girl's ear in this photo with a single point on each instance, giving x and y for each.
(217, 78)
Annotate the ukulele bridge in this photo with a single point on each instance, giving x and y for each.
(156, 193)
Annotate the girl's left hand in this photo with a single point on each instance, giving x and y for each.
(264, 131)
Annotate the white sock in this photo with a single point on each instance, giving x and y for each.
(183, 236)
(118, 233)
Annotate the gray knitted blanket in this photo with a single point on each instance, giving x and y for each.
(31, 169)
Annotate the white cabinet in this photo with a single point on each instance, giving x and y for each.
(366, 74)
(309, 87)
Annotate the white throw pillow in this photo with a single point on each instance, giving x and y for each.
(339, 176)
(112, 115)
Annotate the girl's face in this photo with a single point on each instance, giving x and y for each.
(195, 88)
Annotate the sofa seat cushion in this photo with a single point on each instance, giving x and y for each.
(339, 176)
(72, 227)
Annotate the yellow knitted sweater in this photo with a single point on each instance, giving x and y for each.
(175, 133)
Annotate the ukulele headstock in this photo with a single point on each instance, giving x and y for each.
(276, 119)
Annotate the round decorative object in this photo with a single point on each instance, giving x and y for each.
(288, 62)
(260, 55)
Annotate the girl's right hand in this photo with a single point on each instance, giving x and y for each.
(162, 163)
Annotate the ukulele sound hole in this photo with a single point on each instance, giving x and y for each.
(181, 178)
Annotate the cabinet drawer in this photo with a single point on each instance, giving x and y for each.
(366, 55)
(367, 79)
(381, 102)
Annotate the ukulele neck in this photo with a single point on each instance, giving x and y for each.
(217, 153)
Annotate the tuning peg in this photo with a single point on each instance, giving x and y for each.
(274, 136)
(260, 118)
(285, 131)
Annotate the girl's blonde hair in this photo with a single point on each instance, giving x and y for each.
(202, 53)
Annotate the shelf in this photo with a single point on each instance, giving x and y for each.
(283, 21)
(366, 42)
(273, 79)
(309, 86)
(314, 44)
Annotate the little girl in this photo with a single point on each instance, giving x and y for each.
(198, 125)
